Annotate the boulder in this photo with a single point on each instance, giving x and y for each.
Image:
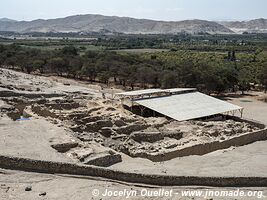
(65, 146)
(131, 128)
(28, 188)
(86, 137)
(154, 136)
(228, 131)
(212, 132)
(82, 154)
(43, 111)
(106, 131)
(119, 123)
(89, 119)
(209, 125)
(96, 126)
(104, 159)
(42, 194)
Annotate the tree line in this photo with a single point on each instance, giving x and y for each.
(211, 72)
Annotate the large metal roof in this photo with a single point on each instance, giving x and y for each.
(153, 91)
(140, 92)
(187, 106)
(180, 90)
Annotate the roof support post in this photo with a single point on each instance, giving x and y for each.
(131, 104)
(142, 110)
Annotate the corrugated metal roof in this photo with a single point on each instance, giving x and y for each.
(140, 92)
(187, 106)
(177, 90)
(154, 91)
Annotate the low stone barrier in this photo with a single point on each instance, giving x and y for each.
(8, 93)
(201, 149)
(42, 166)
(249, 121)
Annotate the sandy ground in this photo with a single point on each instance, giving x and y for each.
(249, 160)
(30, 139)
(254, 108)
(61, 187)
(26, 83)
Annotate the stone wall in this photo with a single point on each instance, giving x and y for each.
(201, 149)
(16, 163)
(249, 121)
(7, 93)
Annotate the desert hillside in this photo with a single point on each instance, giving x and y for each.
(98, 23)
(255, 26)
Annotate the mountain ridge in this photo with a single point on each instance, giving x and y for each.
(6, 20)
(127, 25)
(254, 25)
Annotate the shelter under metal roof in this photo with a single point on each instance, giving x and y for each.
(148, 93)
(181, 90)
(139, 92)
(189, 105)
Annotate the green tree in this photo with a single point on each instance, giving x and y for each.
(70, 51)
(263, 76)
(169, 79)
(58, 65)
(244, 79)
(104, 77)
(75, 65)
(146, 75)
(38, 65)
(88, 69)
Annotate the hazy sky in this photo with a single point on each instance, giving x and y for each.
(150, 9)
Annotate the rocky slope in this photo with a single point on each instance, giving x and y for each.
(255, 26)
(98, 23)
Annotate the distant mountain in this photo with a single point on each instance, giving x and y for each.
(255, 26)
(99, 23)
(6, 20)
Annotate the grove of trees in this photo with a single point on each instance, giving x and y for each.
(211, 72)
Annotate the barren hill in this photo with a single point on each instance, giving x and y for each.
(97, 23)
(256, 26)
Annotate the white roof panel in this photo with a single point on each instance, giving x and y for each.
(140, 92)
(187, 106)
(174, 90)
(152, 91)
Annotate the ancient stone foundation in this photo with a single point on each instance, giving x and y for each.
(201, 149)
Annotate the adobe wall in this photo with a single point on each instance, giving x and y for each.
(7, 93)
(41, 166)
(201, 149)
(249, 121)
